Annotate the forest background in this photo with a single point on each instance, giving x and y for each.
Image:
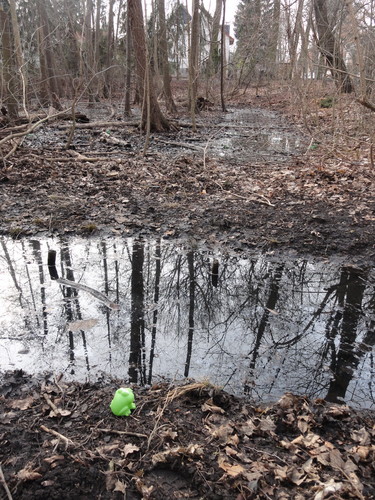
(66, 51)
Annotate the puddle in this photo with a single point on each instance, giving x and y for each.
(263, 134)
(256, 326)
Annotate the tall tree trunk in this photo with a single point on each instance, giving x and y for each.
(19, 54)
(151, 113)
(127, 108)
(193, 61)
(9, 75)
(294, 38)
(330, 48)
(213, 57)
(223, 59)
(163, 47)
(137, 313)
(275, 35)
(46, 58)
(87, 52)
(109, 55)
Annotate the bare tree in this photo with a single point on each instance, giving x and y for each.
(163, 47)
(330, 48)
(193, 61)
(213, 57)
(151, 113)
(9, 75)
(50, 82)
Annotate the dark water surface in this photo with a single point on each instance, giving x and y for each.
(254, 325)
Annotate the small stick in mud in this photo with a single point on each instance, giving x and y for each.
(66, 440)
(4, 483)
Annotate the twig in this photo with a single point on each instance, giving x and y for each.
(206, 147)
(66, 440)
(32, 127)
(263, 200)
(124, 433)
(4, 483)
(117, 124)
(55, 410)
(179, 144)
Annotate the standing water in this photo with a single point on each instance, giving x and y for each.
(142, 310)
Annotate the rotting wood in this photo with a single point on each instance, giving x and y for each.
(93, 125)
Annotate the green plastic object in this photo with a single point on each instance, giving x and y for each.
(123, 402)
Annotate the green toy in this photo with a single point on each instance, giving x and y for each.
(123, 402)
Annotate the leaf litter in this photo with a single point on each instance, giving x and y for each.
(183, 441)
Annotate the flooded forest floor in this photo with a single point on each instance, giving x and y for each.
(278, 173)
(270, 174)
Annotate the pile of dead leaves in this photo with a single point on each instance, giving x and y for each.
(60, 440)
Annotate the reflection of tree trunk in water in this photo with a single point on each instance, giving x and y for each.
(30, 282)
(106, 291)
(347, 359)
(38, 257)
(271, 304)
(71, 297)
(190, 257)
(332, 328)
(156, 305)
(215, 273)
(21, 300)
(137, 314)
(178, 290)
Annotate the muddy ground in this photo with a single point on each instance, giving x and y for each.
(314, 198)
(59, 440)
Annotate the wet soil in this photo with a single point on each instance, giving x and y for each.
(60, 440)
(253, 178)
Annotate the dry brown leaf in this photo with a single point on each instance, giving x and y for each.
(54, 458)
(361, 437)
(232, 470)
(143, 489)
(120, 486)
(130, 448)
(338, 411)
(192, 450)
(168, 434)
(230, 451)
(222, 432)
(28, 475)
(21, 404)
(362, 452)
(248, 428)
(233, 439)
(267, 425)
(310, 441)
(326, 489)
(210, 406)
(303, 423)
(336, 460)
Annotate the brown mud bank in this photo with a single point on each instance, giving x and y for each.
(60, 440)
